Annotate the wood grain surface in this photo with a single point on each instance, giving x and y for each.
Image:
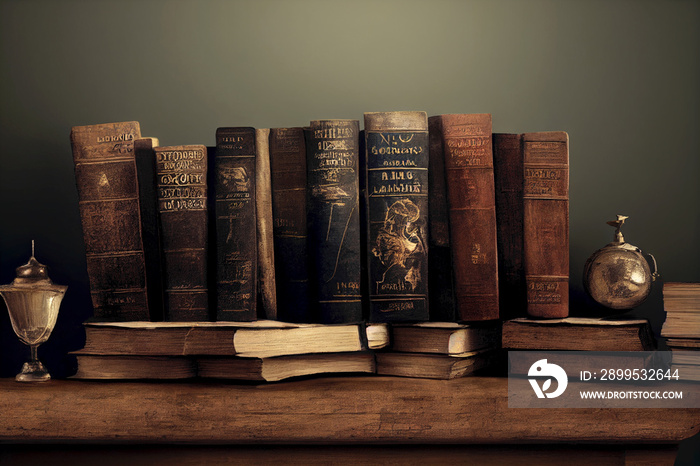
(472, 410)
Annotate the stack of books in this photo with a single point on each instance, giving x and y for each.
(255, 351)
(682, 327)
(439, 350)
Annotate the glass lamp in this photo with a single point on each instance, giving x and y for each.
(32, 301)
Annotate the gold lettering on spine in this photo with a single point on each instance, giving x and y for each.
(178, 187)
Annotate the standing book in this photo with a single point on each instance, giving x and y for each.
(440, 274)
(108, 195)
(267, 293)
(508, 177)
(546, 223)
(288, 173)
(468, 159)
(148, 200)
(181, 173)
(397, 210)
(334, 219)
(236, 224)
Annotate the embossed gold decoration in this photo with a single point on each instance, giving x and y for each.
(618, 276)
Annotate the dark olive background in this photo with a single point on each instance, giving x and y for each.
(621, 77)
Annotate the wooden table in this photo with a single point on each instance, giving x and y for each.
(377, 411)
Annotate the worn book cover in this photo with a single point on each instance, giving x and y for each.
(267, 286)
(236, 224)
(396, 152)
(288, 173)
(468, 159)
(108, 196)
(546, 223)
(181, 173)
(334, 219)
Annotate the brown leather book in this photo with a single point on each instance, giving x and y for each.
(468, 157)
(578, 334)
(236, 224)
(334, 219)
(397, 215)
(508, 176)
(267, 292)
(105, 173)
(181, 173)
(546, 223)
(288, 172)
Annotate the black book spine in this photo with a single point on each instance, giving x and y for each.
(236, 237)
(288, 176)
(334, 220)
(397, 197)
(148, 203)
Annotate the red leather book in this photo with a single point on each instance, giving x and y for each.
(546, 223)
(468, 157)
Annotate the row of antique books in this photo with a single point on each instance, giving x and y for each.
(266, 351)
(412, 219)
(682, 327)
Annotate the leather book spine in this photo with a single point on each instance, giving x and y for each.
(108, 196)
(397, 208)
(288, 173)
(236, 224)
(181, 173)
(267, 308)
(508, 175)
(334, 220)
(148, 202)
(546, 223)
(440, 274)
(468, 156)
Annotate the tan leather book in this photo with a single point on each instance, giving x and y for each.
(546, 223)
(108, 196)
(396, 153)
(263, 205)
(468, 159)
(181, 173)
